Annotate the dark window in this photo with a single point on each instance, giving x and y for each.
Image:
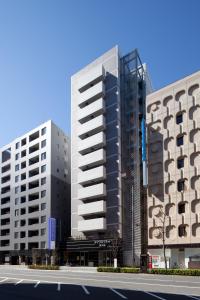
(23, 142)
(179, 141)
(179, 118)
(180, 163)
(182, 231)
(181, 208)
(181, 185)
(44, 130)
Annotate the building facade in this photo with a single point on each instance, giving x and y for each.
(107, 107)
(173, 122)
(34, 193)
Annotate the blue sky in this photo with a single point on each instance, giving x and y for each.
(43, 42)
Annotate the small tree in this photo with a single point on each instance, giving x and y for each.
(115, 244)
(162, 230)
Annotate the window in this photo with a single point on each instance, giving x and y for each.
(182, 231)
(43, 194)
(43, 168)
(22, 223)
(34, 136)
(181, 185)
(16, 235)
(23, 211)
(179, 141)
(17, 168)
(43, 231)
(23, 188)
(17, 145)
(23, 153)
(6, 155)
(22, 234)
(16, 212)
(23, 176)
(179, 118)
(181, 208)
(17, 190)
(43, 144)
(5, 168)
(43, 180)
(44, 130)
(17, 178)
(17, 156)
(23, 142)
(43, 219)
(23, 165)
(23, 199)
(16, 246)
(43, 245)
(43, 156)
(43, 206)
(16, 224)
(180, 163)
(16, 201)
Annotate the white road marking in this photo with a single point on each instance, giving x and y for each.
(153, 295)
(59, 287)
(118, 281)
(3, 280)
(103, 280)
(118, 293)
(193, 297)
(36, 285)
(85, 290)
(18, 282)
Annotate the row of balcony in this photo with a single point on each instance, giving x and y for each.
(92, 140)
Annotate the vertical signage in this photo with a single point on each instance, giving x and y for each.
(51, 233)
(144, 152)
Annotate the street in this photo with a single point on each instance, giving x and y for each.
(34, 284)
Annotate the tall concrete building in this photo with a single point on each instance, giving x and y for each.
(107, 107)
(173, 120)
(34, 193)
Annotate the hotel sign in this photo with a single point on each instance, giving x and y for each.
(102, 243)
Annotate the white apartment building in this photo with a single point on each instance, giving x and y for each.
(173, 120)
(34, 193)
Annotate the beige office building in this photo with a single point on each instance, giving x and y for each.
(173, 122)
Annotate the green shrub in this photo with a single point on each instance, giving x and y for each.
(187, 272)
(108, 269)
(130, 270)
(118, 270)
(43, 267)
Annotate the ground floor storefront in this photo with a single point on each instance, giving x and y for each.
(92, 253)
(177, 257)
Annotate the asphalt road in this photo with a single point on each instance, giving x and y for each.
(34, 284)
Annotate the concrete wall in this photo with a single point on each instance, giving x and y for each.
(163, 106)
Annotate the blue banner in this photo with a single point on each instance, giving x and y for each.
(51, 233)
(143, 128)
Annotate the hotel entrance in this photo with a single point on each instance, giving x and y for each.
(89, 253)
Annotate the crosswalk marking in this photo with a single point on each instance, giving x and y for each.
(85, 290)
(19, 282)
(118, 293)
(3, 280)
(36, 285)
(153, 295)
